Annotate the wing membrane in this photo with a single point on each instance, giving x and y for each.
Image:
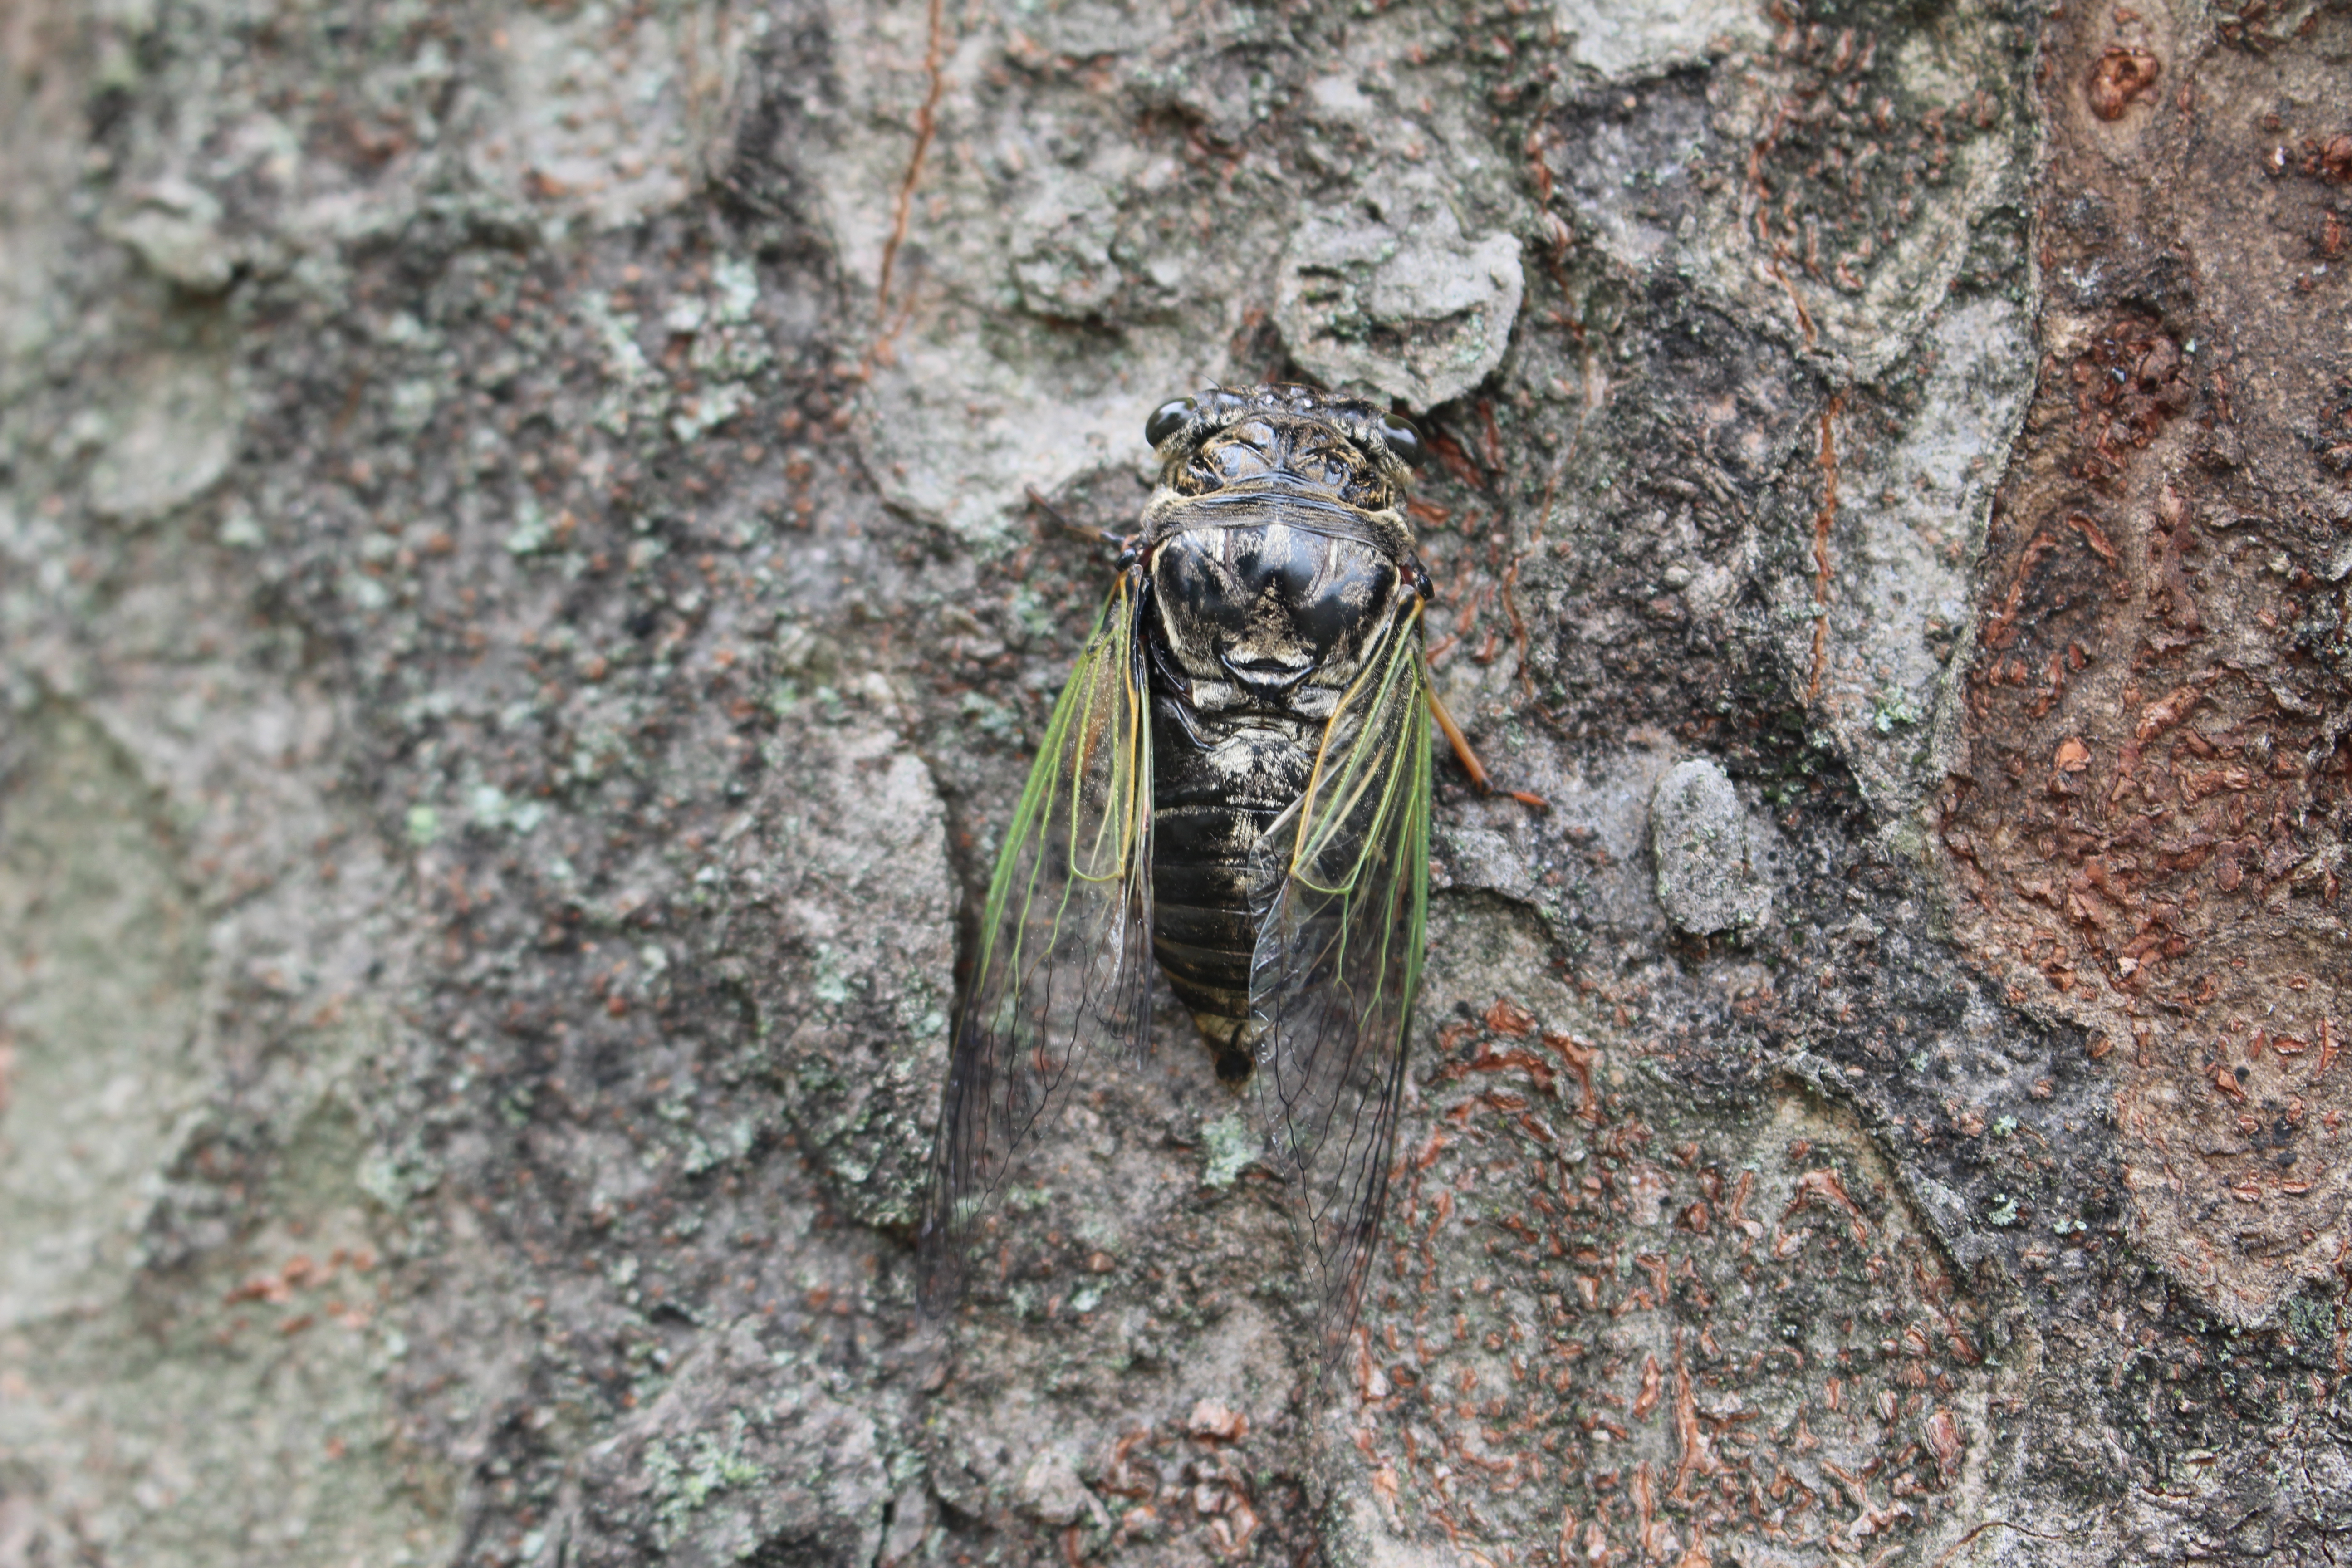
(1064, 962)
(1341, 928)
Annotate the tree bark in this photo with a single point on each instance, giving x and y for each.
(522, 621)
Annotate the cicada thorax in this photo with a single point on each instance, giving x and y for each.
(1270, 584)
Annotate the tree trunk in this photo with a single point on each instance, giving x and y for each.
(522, 622)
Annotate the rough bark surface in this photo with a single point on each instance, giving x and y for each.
(521, 620)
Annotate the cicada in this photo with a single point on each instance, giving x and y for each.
(1234, 790)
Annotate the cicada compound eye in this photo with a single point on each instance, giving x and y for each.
(1403, 439)
(1166, 419)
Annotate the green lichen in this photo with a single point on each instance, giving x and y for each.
(1230, 1146)
(1891, 708)
(682, 1485)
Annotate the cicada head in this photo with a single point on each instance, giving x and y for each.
(1345, 448)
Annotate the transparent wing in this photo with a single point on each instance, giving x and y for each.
(1343, 905)
(1064, 962)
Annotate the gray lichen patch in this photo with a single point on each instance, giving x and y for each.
(843, 889)
(605, 115)
(193, 1368)
(172, 441)
(1035, 252)
(1049, 1491)
(176, 229)
(1628, 43)
(1390, 292)
(99, 1054)
(1066, 235)
(1871, 155)
(1890, 588)
(1708, 879)
(743, 1454)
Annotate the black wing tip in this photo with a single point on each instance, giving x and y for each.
(940, 1270)
(1337, 1321)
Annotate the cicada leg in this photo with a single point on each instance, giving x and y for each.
(1469, 758)
(1100, 535)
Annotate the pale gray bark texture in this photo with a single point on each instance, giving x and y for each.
(521, 623)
